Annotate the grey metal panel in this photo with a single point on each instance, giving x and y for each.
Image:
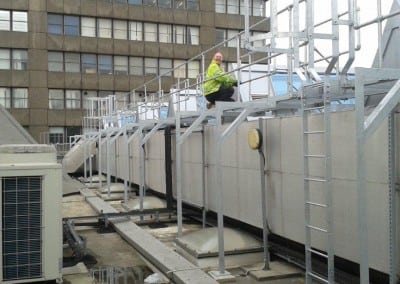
(291, 145)
(284, 185)
(11, 132)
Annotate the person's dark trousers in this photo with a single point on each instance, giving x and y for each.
(223, 94)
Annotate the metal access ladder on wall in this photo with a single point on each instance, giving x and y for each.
(318, 186)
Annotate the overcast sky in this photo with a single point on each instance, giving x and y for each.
(368, 35)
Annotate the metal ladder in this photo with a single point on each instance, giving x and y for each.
(318, 186)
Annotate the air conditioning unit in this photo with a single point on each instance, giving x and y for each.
(31, 225)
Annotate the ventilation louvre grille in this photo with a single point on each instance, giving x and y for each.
(21, 230)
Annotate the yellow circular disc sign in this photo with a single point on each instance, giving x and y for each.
(254, 139)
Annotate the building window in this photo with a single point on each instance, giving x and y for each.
(179, 4)
(5, 97)
(193, 5)
(120, 65)
(150, 32)
(179, 34)
(219, 36)
(231, 35)
(20, 98)
(19, 59)
(165, 33)
(136, 66)
(135, 2)
(5, 59)
(122, 100)
(120, 29)
(179, 69)
(71, 25)
(15, 59)
(193, 36)
(17, 97)
(220, 6)
(152, 3)
(258, 8)
(19, 21)
(4, 20)
(105, 64)
(56, 135)
(72, 62)
(73, 99)
(166, 67)
(55, 61)
(150, 66)
(232, 6)
(56, 99)
(87, 102)
(104, 28)
(193, 69)
(164, 3)
(54, 24)
(135, 31)
(88, 26)
(89, 63)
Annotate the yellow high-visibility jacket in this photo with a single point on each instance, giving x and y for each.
(215, 77)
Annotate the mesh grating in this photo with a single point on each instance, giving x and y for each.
(21, 231)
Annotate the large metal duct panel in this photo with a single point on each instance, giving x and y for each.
(74, 159)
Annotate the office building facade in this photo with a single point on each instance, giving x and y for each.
(54, 54)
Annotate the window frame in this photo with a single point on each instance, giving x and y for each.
(88, 66)
(5, 100)
(88, 26)
(6, 21)
(21, 24)
(23, 60)
(52, 62)
(20, 102)
(56, 102)
(71, 28)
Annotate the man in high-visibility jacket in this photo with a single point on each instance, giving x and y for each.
(218, 85)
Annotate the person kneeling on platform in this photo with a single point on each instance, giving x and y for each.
(218, 85)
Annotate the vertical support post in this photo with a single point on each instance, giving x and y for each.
(127, 166)
(90, 160)
(142, 171)
(220, 202)
(203, 175)
(85, 156)
(310, 32)
(362, 196)
(178, 151)
(264, 201)
(168, 168)
(100, 172)
(108, 163)
(380, 52)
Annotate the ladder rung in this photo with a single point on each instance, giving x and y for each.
(315, 276)
(317, 252)
(315, 179)
(316, 204)
(317, 228)
(315, 156)
(314, 132)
